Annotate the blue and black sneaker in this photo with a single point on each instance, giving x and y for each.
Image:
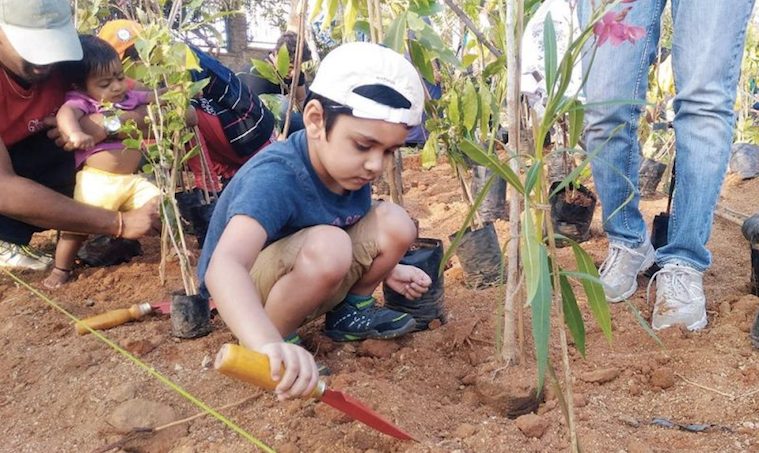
(358, 318)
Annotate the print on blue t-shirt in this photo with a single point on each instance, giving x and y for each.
(279, 188)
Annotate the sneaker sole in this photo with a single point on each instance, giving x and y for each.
(645, 265)
(342, 336)
(698, 325)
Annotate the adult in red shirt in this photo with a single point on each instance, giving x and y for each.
(36, 175)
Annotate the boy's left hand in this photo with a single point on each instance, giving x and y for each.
(410, 281)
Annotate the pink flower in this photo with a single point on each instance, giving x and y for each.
(611, 27)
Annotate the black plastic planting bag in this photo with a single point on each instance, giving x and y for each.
(426, 254)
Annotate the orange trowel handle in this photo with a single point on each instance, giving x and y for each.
(113, 318)
(251, 367)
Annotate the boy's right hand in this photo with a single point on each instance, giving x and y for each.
(80, 140)
(293, 367)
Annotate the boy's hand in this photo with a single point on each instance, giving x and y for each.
(80, 140)
(293, 367)
(410, 281)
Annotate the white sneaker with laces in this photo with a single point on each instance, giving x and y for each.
(680, 298)
(23, 257)
(621, 267)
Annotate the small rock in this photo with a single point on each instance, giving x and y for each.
(123, 392)
(635, 389)
(139, 347)
(207, 362)
(724, 309)
(140, 413)
(663, 378)
(177, 367)
(464, 431)
(89, 303)
(580, 400)
(532, 425)
(469, 379)
(378, 348)
(629, 421)
(434, 324)
(600, 376)
(288, 448)
(636, 446)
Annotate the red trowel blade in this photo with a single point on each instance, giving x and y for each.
(164, 307)
(356, 410)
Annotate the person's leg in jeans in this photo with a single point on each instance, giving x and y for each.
(39, 159)
(707, 50)
(620, 73)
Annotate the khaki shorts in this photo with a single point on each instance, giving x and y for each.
(113, 191)
(278, 259)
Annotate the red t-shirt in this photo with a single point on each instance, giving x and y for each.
(22, 110)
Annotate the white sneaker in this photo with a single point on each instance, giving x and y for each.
(680, 298)
(621, 267)
(23, 257)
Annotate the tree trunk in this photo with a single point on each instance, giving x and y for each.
(237, 31)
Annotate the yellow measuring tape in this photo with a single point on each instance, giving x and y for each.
(166, 381)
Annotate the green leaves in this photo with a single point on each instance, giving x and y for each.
(502, 169)
(593, 289)
(470, 102)
(537, 281)
(428, 155)
(395, 38)
(572, 315)
(283, 60)
(265, 70)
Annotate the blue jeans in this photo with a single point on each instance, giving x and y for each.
(706, 50)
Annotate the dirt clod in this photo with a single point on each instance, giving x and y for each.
(382, 349)
(600, 376)
(532, 425)
(663, 378)
(464, 430)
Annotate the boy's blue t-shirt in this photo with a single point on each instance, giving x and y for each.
(280, 189)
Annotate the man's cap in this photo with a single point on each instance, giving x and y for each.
(121, 34)
(348, 74)
(41, 31)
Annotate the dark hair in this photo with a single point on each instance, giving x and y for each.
(290, 40)
(381, 94)
(97, 57)
(331, 110)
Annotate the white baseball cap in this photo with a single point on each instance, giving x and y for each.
(41, 31)
(348, 69)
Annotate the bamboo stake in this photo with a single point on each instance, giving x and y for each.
(296, 65)
(509, 350)
(470, 25)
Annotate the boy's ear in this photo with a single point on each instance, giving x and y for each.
(313, 119)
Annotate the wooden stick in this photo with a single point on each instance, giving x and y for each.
(470, 25)
(695, 384)
(296, 65)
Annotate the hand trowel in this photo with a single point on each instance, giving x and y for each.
(252, 367)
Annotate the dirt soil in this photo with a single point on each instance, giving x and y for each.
(67, 393)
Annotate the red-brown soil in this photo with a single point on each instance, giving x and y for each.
(60, 391)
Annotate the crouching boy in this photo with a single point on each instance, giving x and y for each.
(296, 235)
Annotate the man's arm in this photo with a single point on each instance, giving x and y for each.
(30, 202)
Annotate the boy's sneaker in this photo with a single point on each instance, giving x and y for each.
(680, 298)
(294, 338)
(620, 270)
(355, 320)
(23, 257)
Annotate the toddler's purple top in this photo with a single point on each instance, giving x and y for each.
(80, 101)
